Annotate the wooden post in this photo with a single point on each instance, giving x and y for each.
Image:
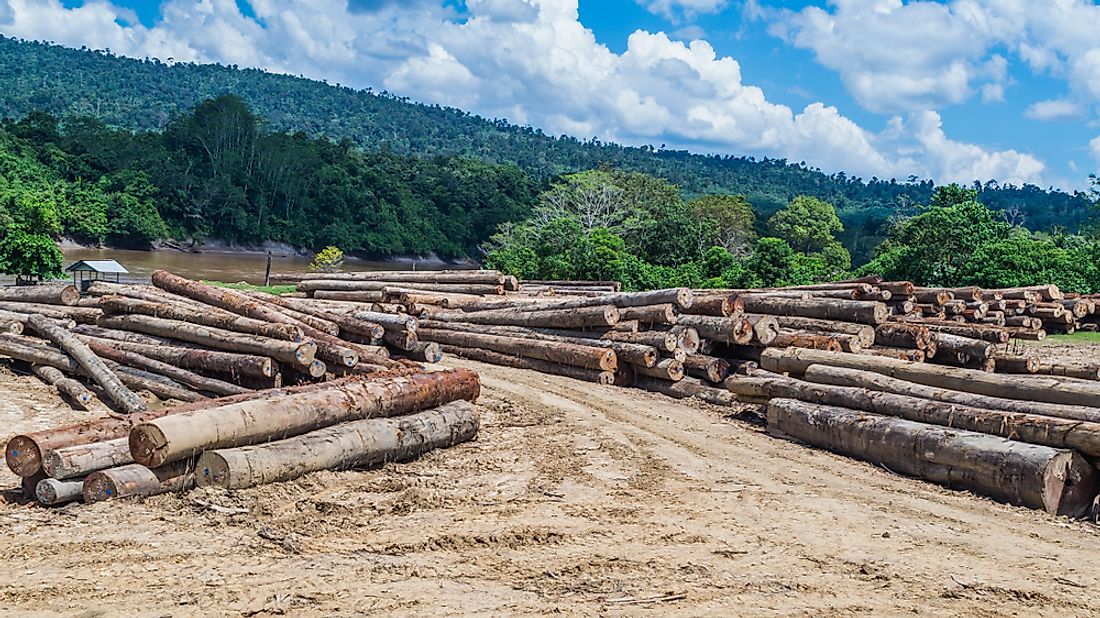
(267, 271)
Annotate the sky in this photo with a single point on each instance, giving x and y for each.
(953, 90)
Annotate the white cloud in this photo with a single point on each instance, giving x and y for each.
(533, 61)
(1094, 149)
(1055, 109)
(672, 9)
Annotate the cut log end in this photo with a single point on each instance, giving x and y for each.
(23, 456)
(148, 445)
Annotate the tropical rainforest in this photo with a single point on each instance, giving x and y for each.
(126, 152)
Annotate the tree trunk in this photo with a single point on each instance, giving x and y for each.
(627, 352)
(296, 353)
(563, 353)
(1080, 372)
(664, 341)
(184, 435)
(119, 305)
(347, 285)
(490, 277)
(917, 356)
(75, 392)
(586, 317)
(733, 330)
(425, 352)
(864, 312)
(112, 386)
(137, 480)
(973, 348)
(1010, 386)
(650, 314)
(358, 297)
(46, 294)
(719, 305)
(687, 338)
(358, 444)
(706, 368)
(82, 315)
(79, 460)
(813, 341)
(840, 376)
(899, 335)
(1057, 481)
(52, 492)
(225, 363)
(344, 322)
(665, 369)
(599, 376)
(183, 376)
(865, 333)
(1007, 363)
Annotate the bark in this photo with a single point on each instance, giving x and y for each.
(736, 330)
(75, 393)
(585, 317)
(183, 376)
(81, 459)
(296, 353)
(1055, 480)
(164, 388)
(840, 376)
(81, 315)
(120, 305)
(972, 331)
(225, 363)
(345, 285)
(864, 312)
(359, 444)
(665, 369)
(898, 288)
(46, 294)
(126, 400)
(1048, 293)
(707, 368)
(52, 492)
(973, 348)
(137, 480)
(917, 356)
(490, 277)
(664, 341)
(179, 436)
(1009, 386)
(590, 357)
(720, 305)
(933, 296)
(359, 297)
(425, 352)
(798, 339)
(650, 314)
(903, 336)
(1012, 363)
(599, 376)
(865, 333)
(627, 352)
(1080, 372)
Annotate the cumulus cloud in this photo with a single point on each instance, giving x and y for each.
(1094, 149)
(1054, 109)
(673, 9)
(533, 61)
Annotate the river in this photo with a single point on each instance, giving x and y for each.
(227, 267)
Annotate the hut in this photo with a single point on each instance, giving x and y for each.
(86, 271)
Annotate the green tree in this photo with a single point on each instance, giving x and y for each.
(730, 220)
(327, 260)
(30, 256)
(807, 224)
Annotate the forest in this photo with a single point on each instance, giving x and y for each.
(146, 95)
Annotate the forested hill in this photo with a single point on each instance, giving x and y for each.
(139, 94)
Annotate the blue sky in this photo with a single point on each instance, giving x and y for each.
(952, 90)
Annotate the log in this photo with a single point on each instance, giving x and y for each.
(733, 330)
(719, 305)
(864, 332)
(1080, 372)
(917, 356)
(687, 339)
(840, 376)
(491, 277)
(931, 296)
(1011, 363)
(75, 393)
(9, 317)
(1057, 481)
(126, 400)
(1009, 386)
(119, 305)
(99, 332)
(973, 348)
(293, 352)
(664, 341)
(348, 285)
(343, 322)
(707, 368)
(599, 376)
(52, 492)
(562, 353)
(798, 339)
(359, 297)
(765, 328)
(665, 369)
(179, 436)
(626, 352)
(46, 294)
(650, 314)
(183, 376)
(359, 444)
(81, 459)
(864, 312)
(402, 340)
(425, 352)
(899, 335)
(82, 315)
(227, 363)
(584, 317)
(137, 480)
(23, 453)
(164, 388)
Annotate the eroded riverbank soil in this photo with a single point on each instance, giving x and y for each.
(577, 499)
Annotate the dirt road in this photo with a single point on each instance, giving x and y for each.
(576, 499)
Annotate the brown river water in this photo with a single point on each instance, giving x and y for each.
(227, 267)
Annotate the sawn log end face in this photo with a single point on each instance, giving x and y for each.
(148, 445)
(23, 456)
(1070, 486)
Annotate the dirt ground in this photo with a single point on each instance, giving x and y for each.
(576, 499)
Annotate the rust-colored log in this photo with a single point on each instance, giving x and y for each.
(900, 335)
(197, 359)
(179, 374)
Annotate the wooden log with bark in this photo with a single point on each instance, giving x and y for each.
(591, 357)
(599, 376)
(179, 374)
(74, 392)
(865, 333)
(64, 313)
(186, 434)
(358, 444)
(800, 339)
(81, 459)
(196, 359)
(665, 369)
(707, 368)
(45, 294)
(425, 352)
(52, 492)
(91, 365)
(650, 314)
(584, 317)
(734, 330)
(1057, 481)
(863, 312)
(215, 318)
(134, 480)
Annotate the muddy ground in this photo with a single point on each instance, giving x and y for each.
(576, 499)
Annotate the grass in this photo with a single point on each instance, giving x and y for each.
(1078, 338)
(248, 287)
